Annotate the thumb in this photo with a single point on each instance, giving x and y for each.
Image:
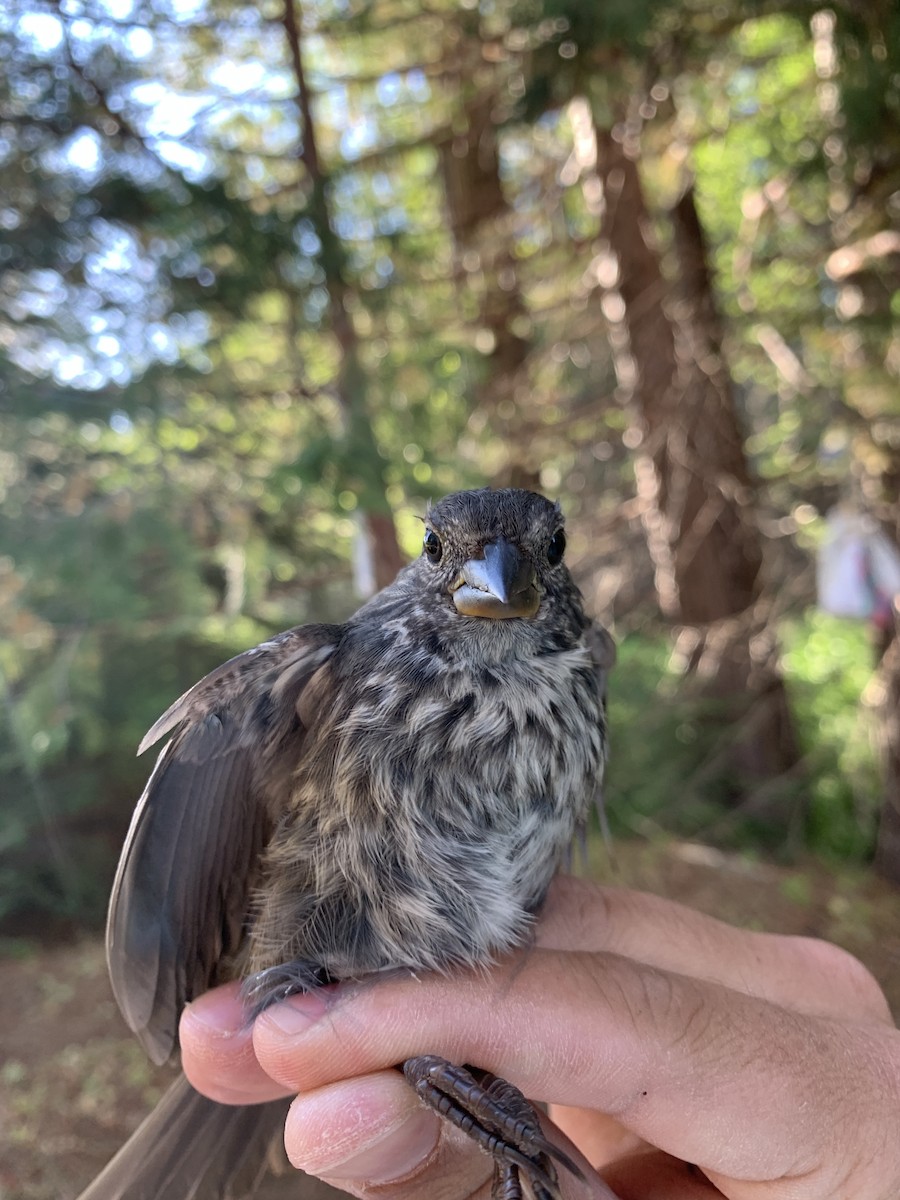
(373, 1132)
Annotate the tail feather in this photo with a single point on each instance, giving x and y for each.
(190, 1148)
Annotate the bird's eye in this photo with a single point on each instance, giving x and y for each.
(432, 546)
(557, 548)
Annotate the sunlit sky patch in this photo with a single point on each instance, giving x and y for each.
(168, 113)
(388, 89)
(108, 345)
(120, 422)
(183, 129)
(83, 151)
(42, 29)
(119, 10)
(139, 43)
(239, 77)
(361, 135)
(194, 163)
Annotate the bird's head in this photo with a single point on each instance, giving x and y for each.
(495, 554)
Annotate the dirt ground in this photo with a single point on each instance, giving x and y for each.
(73, 1083)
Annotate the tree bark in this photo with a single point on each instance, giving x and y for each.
(480, 223)
(367, 478)
(699, 500)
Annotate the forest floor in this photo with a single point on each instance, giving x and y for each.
(73, 1083)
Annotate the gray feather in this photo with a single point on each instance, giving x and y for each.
(181, 892)
(190, 1148)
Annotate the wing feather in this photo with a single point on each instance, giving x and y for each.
(190, 1148)
(603, 652)
(181, 890)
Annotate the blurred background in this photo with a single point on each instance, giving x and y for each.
(273, 276)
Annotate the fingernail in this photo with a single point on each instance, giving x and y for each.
(297, 1013)
(217, 1011)
(390, 1156)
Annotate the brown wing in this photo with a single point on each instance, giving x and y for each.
(181, 889)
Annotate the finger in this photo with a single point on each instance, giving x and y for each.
(599, 1138)
(656, 1176)
(713, 1076)
(372, 1132)
(356, 1134)
(365, 1132)
(805, 974)
(217, 1052)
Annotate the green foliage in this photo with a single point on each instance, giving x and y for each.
(665, 772)
(653, 746)
(868, 44)
(128, 572)
(828, 664)
(206, 378)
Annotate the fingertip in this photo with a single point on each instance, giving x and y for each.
(363, 1132)
(217, 1053)
(219, 1011)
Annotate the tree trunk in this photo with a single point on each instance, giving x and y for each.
(366, 476)
(480, 220)
(699, 500)
(700, 459)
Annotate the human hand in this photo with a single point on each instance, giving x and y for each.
(662, 1038)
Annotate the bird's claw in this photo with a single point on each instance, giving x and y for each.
(271, 986)
(499, 1120)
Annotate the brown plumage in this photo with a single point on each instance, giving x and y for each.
(393, 792)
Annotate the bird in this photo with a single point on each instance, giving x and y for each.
(395, 792)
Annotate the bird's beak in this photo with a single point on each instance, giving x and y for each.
(500, 585)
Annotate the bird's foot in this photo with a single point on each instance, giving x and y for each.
(499, 1119)
(271, 986)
